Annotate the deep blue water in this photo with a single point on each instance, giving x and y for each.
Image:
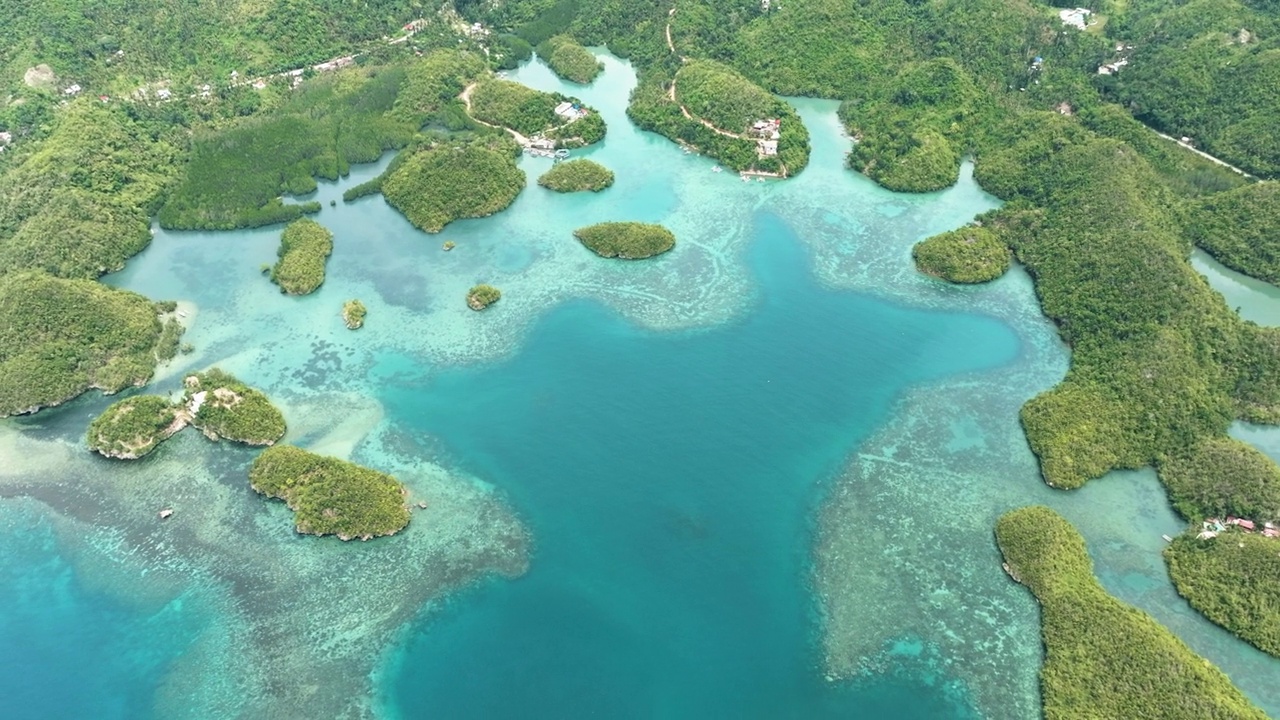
(670, 480)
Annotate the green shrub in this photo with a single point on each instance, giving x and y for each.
(353, 312)
(626, 240)
(227, 408)
(1105, 659)
(570, 60)
(62, 337)
(968, 255)
(330, 496)
(436, 186)
(133, 427)
(576, 175)
(1234, 579)
(305, 245)
(482, 296)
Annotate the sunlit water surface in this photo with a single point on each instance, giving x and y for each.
(755, 477)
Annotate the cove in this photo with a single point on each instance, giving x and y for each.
(669, 480)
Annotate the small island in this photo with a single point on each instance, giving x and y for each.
(353, 312)
(570, 60)
(968, 255)
(1103, 658)
(626, 240)
(577, 176)
(133, 427)
(221, 406)
(304, 247)
(330, 496)
(482, 296)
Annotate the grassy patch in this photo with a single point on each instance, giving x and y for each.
(330, 496)
(1103, 658)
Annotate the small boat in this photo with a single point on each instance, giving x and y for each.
(1166, 538)
(759, 179)
(746, 178)
(715, 169)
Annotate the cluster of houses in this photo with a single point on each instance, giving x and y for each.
(1114, 66)
(1211, 527)
(766, 133)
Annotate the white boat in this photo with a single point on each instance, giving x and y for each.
(715, 169)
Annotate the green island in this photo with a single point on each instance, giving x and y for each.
(133, 427)
(709, 106)
(305, 245)
(561, 120)
(440, 183)
(1103, 658)
(330, 496)
(577, 176)
(353, 312)
(1240, 228)
(626, 240)
(222, 407)
(482, 296)
(62, 337)
(968, 255)
(570, 60)
(1234, 579)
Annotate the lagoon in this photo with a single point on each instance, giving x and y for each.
(756, 476)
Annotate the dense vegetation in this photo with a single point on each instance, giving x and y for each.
(1207, 69)
(227, 408)
(1105, 659)
(482, 296)
(1222, 476)
(1234, 579)
(1241, 228)
(570, 60)
(576, 176)
(626, 240)
(533, 112)
(62, 337)
(439, 184)
(133, 427)
(912, 128)
(78, 205)
(353, 312)
(719, 99)
(237, 174)
(331, 496)
(967, 255)
(305, 245)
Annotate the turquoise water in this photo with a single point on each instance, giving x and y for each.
(669, 480)
(756, 476)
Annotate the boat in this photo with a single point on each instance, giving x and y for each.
(715, 168)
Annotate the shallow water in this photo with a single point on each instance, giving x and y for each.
(756, 476)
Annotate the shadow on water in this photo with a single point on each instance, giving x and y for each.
(670, 479)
